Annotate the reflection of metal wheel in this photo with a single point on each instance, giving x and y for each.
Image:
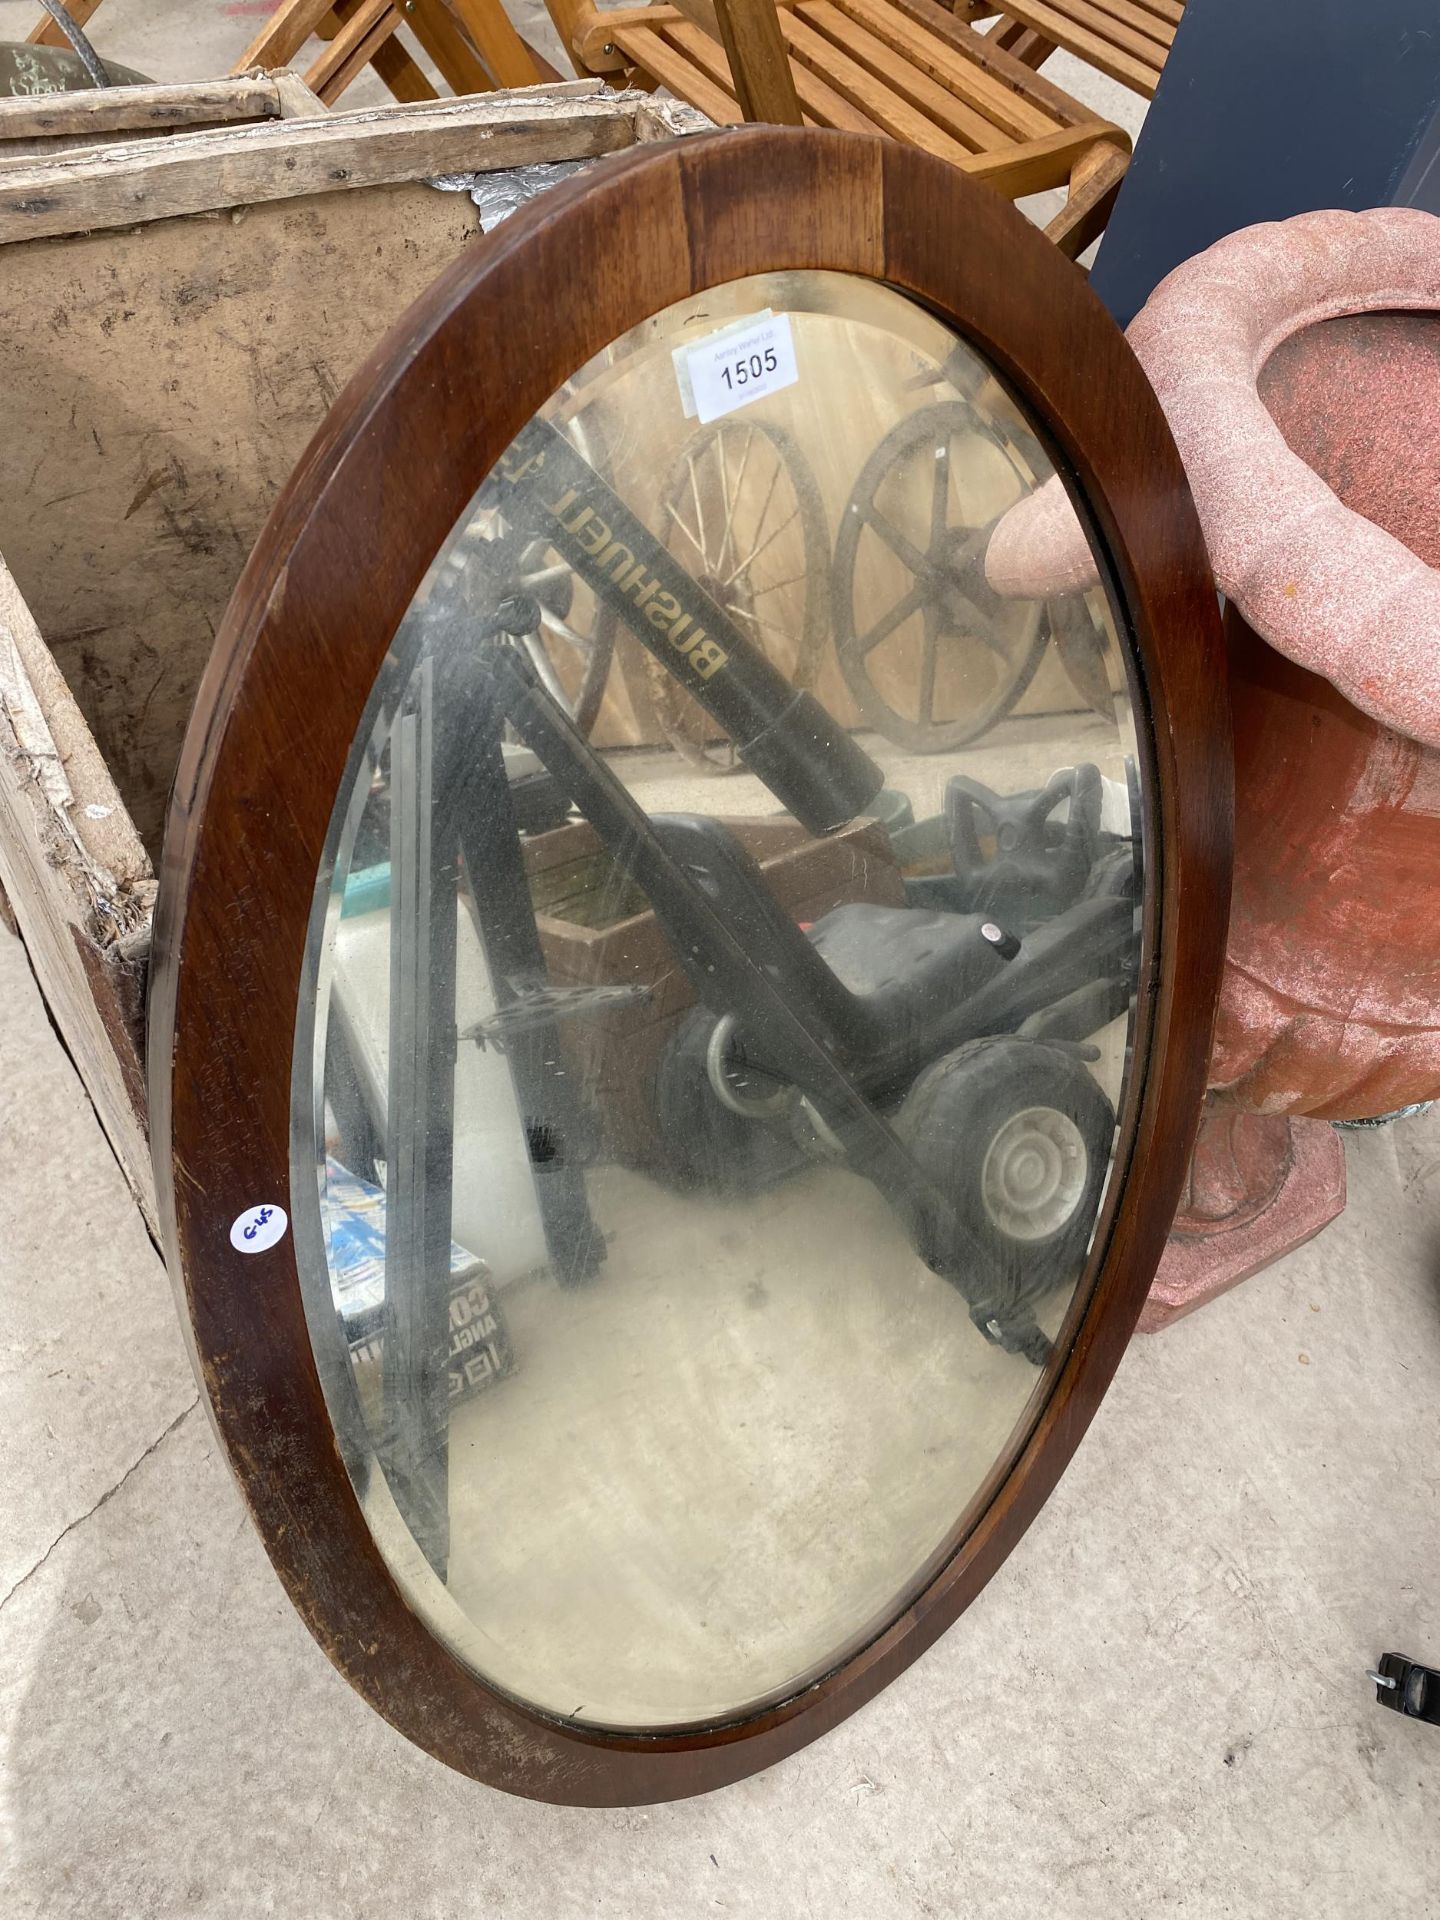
(976, 650)
(741, 512)
(553, 643)
(510, 578)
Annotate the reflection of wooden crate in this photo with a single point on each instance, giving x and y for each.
(615, 1054)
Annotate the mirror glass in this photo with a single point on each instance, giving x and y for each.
(721, 994)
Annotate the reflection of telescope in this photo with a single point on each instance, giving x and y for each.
(783, 735)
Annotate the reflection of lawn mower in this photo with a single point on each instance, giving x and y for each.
(933, 1049)
(961, 1025)
(934, 1053)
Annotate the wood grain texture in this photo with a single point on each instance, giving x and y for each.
(363, 28)
(283, 34)
(45, 33)
(1111, 45)
(133, 109)
(200, 172)
(79, 885)
(495, 39)
(1094, 185)
(440, 34)
(750, 33)
(904, 68)
(309, 625)
(146, 444)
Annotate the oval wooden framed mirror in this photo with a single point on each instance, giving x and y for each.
(679, 1010)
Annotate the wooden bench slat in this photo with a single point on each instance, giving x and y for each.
(1172, 12)
(1088, 45)
(1011, 74)
(1120, 21)
(1128, 17)
(823, 106)
(681, 76)
(888, 110)
(903, 76)
(1014, 116)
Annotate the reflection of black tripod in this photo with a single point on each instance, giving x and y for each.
(451, 811)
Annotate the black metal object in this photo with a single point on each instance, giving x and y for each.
(419, 1129)
(731, 966)
(1264, 111)
(94, 66)
(1406, 1687)
(782, 734)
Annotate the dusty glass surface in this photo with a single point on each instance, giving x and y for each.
(721, 992)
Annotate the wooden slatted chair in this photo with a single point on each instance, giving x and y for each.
(1127, 39)
(472, 43)
(903, 68)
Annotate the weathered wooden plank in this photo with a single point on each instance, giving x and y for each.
(78, 882)
(193, 173)
(134, 109)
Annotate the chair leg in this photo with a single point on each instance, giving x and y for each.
(1031, 49)
(283, 35)
(46, 34)
(1094, 184)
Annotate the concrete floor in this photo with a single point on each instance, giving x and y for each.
(1158, 1705)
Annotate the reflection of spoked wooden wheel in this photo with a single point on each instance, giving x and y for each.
(946, 646)
(741, 512)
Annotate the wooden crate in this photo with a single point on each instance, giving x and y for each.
(176, 315)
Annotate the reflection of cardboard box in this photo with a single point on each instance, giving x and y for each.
(354, 1214)
(595, 929)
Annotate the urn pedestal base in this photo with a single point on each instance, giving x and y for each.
(1260, 1185)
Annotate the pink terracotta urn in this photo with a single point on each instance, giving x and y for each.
(1299, 367)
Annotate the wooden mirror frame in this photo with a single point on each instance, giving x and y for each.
(402, 453)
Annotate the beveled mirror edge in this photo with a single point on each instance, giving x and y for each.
(313, 612)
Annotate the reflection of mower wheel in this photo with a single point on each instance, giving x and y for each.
(1018, 1134)
(709, 1144)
